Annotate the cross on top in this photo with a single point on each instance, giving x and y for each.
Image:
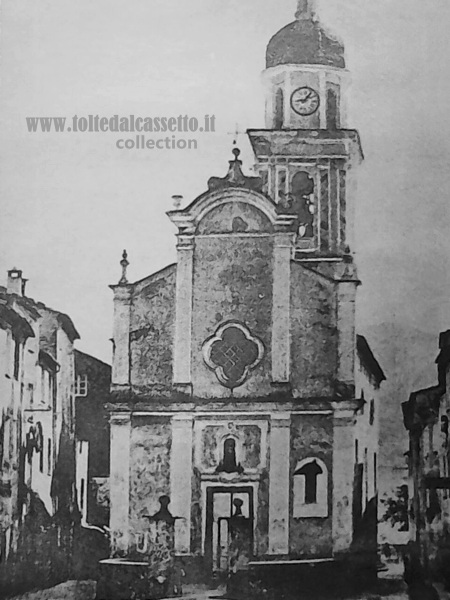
(305, 9)
(236, 133)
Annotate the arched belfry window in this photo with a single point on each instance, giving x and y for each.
(310, 489)
(332, 110)
(302, 187)
(279, 109)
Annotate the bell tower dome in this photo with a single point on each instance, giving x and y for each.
(305, 75)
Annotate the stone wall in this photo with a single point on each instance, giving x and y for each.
(313, 333)
(151, 332)
(311, 437)
(149, 469)
(232, 280)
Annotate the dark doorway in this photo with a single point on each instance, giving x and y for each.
(358, 495)
(229, 528)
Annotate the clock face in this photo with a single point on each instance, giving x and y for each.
(305, 101)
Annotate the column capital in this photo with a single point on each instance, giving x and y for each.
(185, 242)
(122, 293)
(282, 419)
(182, 419)
(345, 409)
(120, 418)
(284, 239)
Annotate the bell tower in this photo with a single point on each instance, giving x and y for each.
(306, 152)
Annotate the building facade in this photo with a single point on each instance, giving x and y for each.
(92, 387)
(243, 404)
(426, 417)
(38, 507)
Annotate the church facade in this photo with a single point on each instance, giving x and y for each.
(243, 403)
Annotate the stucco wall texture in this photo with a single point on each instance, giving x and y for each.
(232, 280)
(311, 436)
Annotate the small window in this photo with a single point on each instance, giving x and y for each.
(49, 456)
(372, 412)
(30, 394)
(82, 495)
(366, 475)
(375, 472)
(81, 385)
(310, 489)
(16, 358)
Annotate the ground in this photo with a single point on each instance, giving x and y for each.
(85, 590)
(73, 590)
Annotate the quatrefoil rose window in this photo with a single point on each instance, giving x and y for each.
(232, 352)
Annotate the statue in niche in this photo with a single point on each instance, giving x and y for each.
(163, 514)
(228, 464)
(300, 202)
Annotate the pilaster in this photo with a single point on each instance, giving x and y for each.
(281, 354)
(346, 298)
(183, 311)
(120, 481)
(121, 334)
(280, 435)
(343, 476)
(180, 481)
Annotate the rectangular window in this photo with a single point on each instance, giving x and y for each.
(41, 461)
(16, 359)
(366, 475)
(372, 412)
(82, 496)
(375, 474)
(30, 394)
(49, 456)
(81, 385)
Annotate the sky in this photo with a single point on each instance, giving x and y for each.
(71, 202)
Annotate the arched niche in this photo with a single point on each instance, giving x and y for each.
(310, 489)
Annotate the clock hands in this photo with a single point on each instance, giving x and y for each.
(305, 101)
(307, 97)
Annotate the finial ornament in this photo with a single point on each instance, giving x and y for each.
(177, 199)
(306, 9)
(235, 177)
(124, 264)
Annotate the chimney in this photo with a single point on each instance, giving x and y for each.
(16, 283)
(444, 340)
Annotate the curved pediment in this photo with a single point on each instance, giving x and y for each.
(234, 217)
(232, 210)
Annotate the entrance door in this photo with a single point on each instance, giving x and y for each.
(229, 528)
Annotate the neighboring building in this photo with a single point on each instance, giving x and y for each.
(369, 377)
(426, 417)
(92, 388)
(243, 409)
(36, 439)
